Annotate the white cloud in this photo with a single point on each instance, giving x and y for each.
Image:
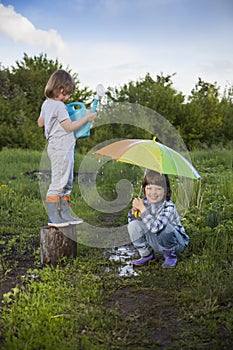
(19, 29)
(106, 62)
(117, 63)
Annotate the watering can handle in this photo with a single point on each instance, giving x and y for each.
(82, 105)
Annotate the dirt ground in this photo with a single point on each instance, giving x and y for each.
(152, 318)
(12, 278)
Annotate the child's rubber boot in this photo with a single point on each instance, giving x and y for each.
(53, 208)
(170, 260)
(143, 260)
(65, 212)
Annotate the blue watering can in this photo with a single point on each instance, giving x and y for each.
(80, 112)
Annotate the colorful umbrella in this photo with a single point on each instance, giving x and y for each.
(150, 154)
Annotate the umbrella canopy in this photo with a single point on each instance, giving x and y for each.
(151, 155)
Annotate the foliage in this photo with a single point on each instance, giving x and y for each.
(202, 120)
(226, 110)
(159, 95)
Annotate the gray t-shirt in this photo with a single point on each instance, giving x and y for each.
(54, 112)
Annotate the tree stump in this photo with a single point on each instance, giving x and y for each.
(56, 243)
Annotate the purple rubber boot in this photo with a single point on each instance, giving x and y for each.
(170, 260)
(143, 260)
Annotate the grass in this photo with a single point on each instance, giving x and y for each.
(78, 305)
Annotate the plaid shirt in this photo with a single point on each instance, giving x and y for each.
(158, 215)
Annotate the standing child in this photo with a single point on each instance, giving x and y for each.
(158, 228)
(58, 129)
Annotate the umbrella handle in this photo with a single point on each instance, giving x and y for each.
(137, 213)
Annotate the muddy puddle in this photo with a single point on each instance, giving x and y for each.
(123, 257)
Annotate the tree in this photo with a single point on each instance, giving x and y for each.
(158, 95)
(226, 108)
(31, 75)
(12, 103)
(203, 118)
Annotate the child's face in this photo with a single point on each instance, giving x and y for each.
(63, 97)
(154, 193)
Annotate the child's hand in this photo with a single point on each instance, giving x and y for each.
(69, 125)
(138, 205)
(91, 117)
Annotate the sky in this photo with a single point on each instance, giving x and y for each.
(114, 42)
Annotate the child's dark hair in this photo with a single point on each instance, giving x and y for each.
(60, 82)
(154, 178)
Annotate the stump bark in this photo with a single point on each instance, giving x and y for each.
(56, 243)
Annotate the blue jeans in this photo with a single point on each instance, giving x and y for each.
(167, 240)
